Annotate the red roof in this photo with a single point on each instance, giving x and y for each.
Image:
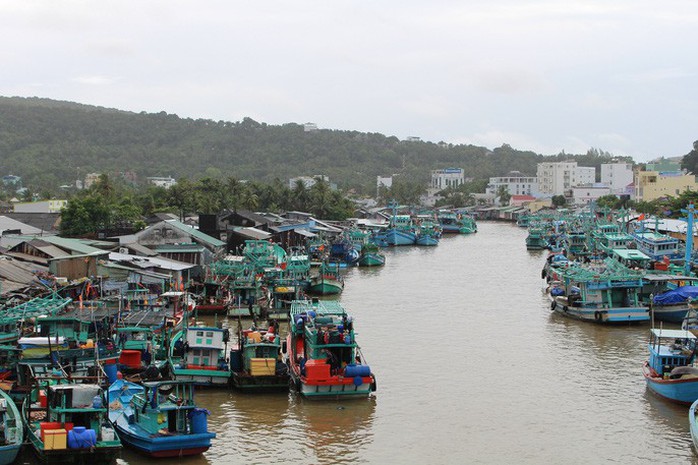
(522, 198)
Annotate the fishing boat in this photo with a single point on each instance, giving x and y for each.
(692, 423)
(323, 357)
(69, 424)
(602, 292)
(371, 255)
(159, 419)
(327, 280)
(198, 353)
(11, 429)
(401, 231)
(669, 372)
(255, 363)
(536, 239)
(428, 233)
(672, 305)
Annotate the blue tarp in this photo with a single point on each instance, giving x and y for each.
(677, 296)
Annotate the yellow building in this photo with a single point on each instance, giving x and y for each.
(652, 185)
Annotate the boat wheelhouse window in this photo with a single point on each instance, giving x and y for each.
(196, 352)
(200, 333)
(209, 333)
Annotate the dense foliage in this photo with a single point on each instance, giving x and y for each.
(117, 206)
(50, 143)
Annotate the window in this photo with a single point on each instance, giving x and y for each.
(209, 333)
(200, 333)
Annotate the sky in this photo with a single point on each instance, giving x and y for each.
(547, 76)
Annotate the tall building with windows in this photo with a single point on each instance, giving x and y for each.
(617, 176)
(558, 178)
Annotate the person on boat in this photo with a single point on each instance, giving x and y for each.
(332, 360)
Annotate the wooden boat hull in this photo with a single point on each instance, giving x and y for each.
(13, 432)
(600, 315)
(427, 240)
(683, 391)
(372, 259)
(203, 377)
(325, 286)
(692, 424)
(246, 382)
(398, 237)
(670, 313)
(164, 446)
(212, 309)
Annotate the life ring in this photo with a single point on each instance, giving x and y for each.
(552, 305)
(597, 316)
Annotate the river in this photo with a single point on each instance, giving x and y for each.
(472, 367)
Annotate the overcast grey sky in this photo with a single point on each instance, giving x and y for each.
(618, 75)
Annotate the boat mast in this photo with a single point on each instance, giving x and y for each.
(689, 238)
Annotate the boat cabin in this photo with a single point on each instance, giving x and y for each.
(670, 348)
(631, 258)
(656, 245)
(205, 346)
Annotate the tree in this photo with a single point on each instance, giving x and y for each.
(503, 194)
(690, 160)
(559, 201)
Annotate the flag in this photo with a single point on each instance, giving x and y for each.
(641, 217)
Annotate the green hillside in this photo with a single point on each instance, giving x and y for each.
(49, 143)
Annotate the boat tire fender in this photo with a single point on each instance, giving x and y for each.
(597, 316)
(552, 305)
(565, 308)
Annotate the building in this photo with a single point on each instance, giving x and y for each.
(308, 181)
(447, 177)
(583, 195)
(162, 181)
(413, 139)
(652, 185)
(617, 176)
(44, 206)
(515, 183)
(309, 127)
(558, 178)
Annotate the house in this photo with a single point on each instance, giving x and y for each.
(46, 223)
(12, 226)
(174, 238)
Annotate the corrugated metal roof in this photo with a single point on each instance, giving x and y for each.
(203, 237)
(19, 272)
(10, 224)
(150, 262)
(252, 233)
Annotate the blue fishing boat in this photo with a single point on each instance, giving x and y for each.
(428, 233)
(401, 231)
(12, 431)
(669, 372)
(673, 305)
(159, 419)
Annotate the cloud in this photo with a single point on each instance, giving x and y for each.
(655, 75)
(95, 80)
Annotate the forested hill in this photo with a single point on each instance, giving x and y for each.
(50, 143)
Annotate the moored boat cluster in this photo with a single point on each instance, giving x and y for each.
(93, 366)
(607, 269)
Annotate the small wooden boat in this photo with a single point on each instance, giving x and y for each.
(327, 280)
(69, 424)
(159, 419)
(669, 372)
(12, 432)
(322, 354)
(255, 362)
(371, 255)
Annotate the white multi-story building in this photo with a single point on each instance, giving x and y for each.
(515, 183)
(617, 176)
(160, 181)
(558, 178)
(448, 177)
